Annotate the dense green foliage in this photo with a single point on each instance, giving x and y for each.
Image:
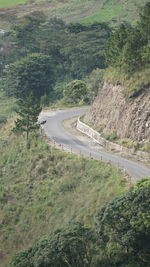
(65, 247)
(128, 45)
(75, 91)
(32, 74)
(74, 51)
(51, 51)
(121, 237)
(124, 228)
(129, 49)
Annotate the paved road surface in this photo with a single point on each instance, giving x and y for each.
(54, 129)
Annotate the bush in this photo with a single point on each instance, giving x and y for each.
(3, 119)
(111, 136)
(75, 91)
(44, 100)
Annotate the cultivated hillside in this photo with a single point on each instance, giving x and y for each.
(72, 10)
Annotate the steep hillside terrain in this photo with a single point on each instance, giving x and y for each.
(112, 112)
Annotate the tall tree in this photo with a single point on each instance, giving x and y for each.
(32, 74)
(28, 112)
(124, 229)
(69, 247)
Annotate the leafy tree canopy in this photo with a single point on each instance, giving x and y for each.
(124, 228)
(28, 111)
(121, 237)
(75, 91)
(71, 246)
(32, 74)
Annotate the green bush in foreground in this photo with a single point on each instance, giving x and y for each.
(65, 247)
(121, 237)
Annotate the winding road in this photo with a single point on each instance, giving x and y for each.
(54, 129)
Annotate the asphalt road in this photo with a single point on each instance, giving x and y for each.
(54, 129)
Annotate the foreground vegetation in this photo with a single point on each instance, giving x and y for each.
(119, 237)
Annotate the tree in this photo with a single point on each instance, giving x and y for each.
(115, 44)
(27, 29)
(75, 91)
(32, 74)
(72, 246)
(124, 228)
(29, 110)
(128, 46)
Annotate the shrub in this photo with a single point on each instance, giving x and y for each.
(3, 119)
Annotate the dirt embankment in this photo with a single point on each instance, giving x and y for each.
(111, 112)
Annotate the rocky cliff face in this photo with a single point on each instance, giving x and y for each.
(111, 112)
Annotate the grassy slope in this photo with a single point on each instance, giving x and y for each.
(116, 11)
(42, 189)
(132, 85)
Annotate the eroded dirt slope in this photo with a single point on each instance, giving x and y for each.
(111, 112)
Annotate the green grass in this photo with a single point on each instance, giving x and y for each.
(132, 85)
(8, 3)
(107, 13)
(139, 81)
(12, 3)
(127, 142)
(42, 189)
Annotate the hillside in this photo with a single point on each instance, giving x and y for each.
(113, 113)
(42, 189)
(72, 10)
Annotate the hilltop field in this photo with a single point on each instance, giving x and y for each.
(72, 10)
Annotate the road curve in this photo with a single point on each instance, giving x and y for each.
(53, 128)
